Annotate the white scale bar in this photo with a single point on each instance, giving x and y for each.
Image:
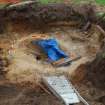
(60, 86)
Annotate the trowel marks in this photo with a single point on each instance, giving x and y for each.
(25, 68)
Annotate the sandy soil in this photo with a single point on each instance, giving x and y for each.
(24, 65)
(25, 70)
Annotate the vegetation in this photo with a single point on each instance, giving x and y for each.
(101, 2)
(50, 1)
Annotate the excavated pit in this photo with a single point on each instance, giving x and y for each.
(25, 69)
(23, 72)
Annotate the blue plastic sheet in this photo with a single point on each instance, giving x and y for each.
(51, 48)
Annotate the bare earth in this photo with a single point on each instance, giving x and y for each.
(21, 83)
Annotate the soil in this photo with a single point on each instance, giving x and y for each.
(21, 83)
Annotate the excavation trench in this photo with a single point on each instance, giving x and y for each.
(26, 71)
(24, 65)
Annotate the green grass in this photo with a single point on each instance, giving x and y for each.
(101, 2)
(50, 1)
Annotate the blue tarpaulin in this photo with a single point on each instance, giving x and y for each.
(51, 48)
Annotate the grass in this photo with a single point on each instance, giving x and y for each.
(100, 2)
(50, 1)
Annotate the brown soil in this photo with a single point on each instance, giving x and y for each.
(11, 94)
(25, 71)
(97, 69)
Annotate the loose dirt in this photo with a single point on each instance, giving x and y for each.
(25, 71)
(24, 64)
